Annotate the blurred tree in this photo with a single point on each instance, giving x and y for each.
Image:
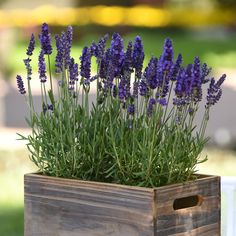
(120, 3)
(104, 2)
(227, 3)
(151, 2)
(2, 1)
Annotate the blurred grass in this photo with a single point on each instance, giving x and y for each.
(218, 49)
(12, 221)
(15, 163)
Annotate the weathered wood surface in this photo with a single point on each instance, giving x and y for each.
(55, 206)
(202, 219)
(63, 207)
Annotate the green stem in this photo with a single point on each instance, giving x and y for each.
(113, 139)
(168, 100)
(50, 73)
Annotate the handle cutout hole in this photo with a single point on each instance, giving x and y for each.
(186, 202)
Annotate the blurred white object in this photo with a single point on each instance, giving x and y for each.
(228, 187)
(8, 138)
(222, 137)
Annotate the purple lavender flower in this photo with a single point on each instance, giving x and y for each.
(127, 67)
(183, 87)
(73, 71)
(117, 53)
(138, 57)
(48, 107)
(179, 86)
(94, 49)
(67, 44)
(31, 46)
(69, 35)
(42, 67)
(124, 88)
(151, 73)
(143, 85)
(163, 81)
(188, 79)
(85, 63)
(143, 88)
(205, 71)
(131, 109)
(28, 68)
(45, 40)
(59, 56)
(190, 111)
(63, 44)
(175, 68)
(98, 50)
(180, 89)
(150, 106)
(107, 71)
(221, 80)
(104, 64)
(197, 81)
(20, 84)
(162, 101)
(214, 91)
(135, 89)
(167, 55)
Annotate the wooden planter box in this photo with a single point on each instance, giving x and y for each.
(64, 207)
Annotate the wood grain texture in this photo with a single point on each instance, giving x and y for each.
(203, 219)
(55, 206)
(64, 207)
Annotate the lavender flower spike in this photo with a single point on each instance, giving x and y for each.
(150, 105)
(138, 57)
(205, 72)
(143, 88)
(45, 40)
(31, 46)
(127, 66)
(131, 109)
(69, 34)
(197, 82)
(162, 101)
(73, 71)
(221, 80)
(59, 56)
(117, 53)
(85, 66)
(167, 55)
(175, 68)
(151, 73)
(67, 44)
(20, 84)
(98, 50)
(28, 68)
(214, 91)
(42, 67)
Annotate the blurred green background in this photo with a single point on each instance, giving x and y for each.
(204, 28)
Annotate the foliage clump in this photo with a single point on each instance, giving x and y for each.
(141, 128)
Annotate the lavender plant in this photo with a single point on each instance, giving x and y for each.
(142, 128)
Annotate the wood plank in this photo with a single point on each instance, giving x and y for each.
(68, 207)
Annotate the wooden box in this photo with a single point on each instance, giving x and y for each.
(64, 207)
